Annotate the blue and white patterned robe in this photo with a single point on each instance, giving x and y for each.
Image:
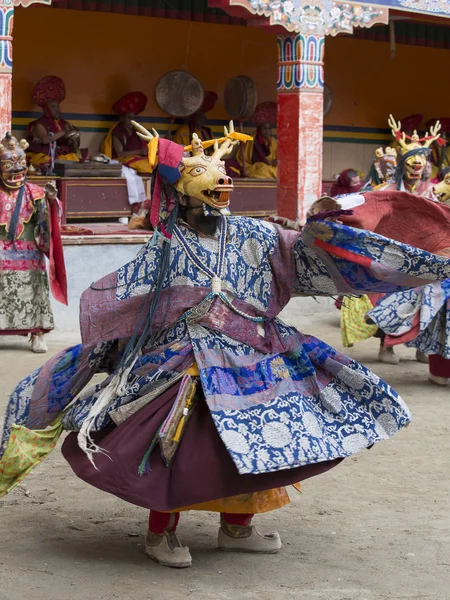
(279, 399)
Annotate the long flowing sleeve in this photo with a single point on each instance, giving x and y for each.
(333, 258)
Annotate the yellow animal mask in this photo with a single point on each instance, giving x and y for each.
(204, 177)
(415, 151)
(442, 190)
(201, 176)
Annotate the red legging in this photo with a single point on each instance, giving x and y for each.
(439, 366)
(160, 522)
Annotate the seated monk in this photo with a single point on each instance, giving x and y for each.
(122, 142)
(261, 155)
(48, 93)
(348, 182)
(197, 123)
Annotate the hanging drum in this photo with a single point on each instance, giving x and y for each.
(179, 94)
(240, 98)
(327, 100)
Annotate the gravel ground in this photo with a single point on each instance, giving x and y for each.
(375, 528)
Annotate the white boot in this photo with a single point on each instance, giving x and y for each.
(442, 381)
(422, 357)
(167, 550)
(38, 344)
(254, 543)
(386, 355)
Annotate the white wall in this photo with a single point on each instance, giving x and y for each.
(338, 156)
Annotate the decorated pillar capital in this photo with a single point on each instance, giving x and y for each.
(13, 3)
(300, 63)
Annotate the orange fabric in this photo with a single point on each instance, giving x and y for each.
(258, 502)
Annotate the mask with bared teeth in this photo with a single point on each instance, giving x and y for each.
(13, 162)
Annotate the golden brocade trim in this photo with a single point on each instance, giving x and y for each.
(25, 221)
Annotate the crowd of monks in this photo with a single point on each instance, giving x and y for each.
(257, 159)
(51, 136)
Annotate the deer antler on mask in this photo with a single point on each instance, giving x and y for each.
(199, 176)
(435, 134)
(415, 141)
(414, 154)
(230, 135)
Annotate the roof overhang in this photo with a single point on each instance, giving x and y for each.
(30, 2)
(328, 17)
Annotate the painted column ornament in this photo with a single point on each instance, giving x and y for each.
(6, 61)
(6, 57)
(300, 123)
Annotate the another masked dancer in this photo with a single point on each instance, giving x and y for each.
(122, 142)
(383, 169)
(211, 402)
(420, 318)
(414, 153)
(29, 231)
(48, 93)
(197, 123)
(261, 154)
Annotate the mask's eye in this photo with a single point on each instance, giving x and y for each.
(7, 165)
(23, 162)
(196, 171)
(222, 169)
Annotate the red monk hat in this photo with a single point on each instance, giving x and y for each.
(133, 102)
(265, 112)
(47, 89)
(411, 122)
(209, 101)
(444, 121)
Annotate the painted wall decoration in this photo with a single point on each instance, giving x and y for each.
(25, 2)
(441, 7)
(330, 17)
(318, 17)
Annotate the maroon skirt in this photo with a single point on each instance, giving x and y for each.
(201, 470)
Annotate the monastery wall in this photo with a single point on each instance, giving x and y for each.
(100, 56)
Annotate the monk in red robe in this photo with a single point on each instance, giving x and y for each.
(122, 142)
(48, 93)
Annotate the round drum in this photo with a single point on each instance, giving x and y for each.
(179, 94)
(240, 98)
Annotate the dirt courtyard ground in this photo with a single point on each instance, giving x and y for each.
(375, 528)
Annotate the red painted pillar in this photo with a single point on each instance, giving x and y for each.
(300, 123)
(6, 29)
